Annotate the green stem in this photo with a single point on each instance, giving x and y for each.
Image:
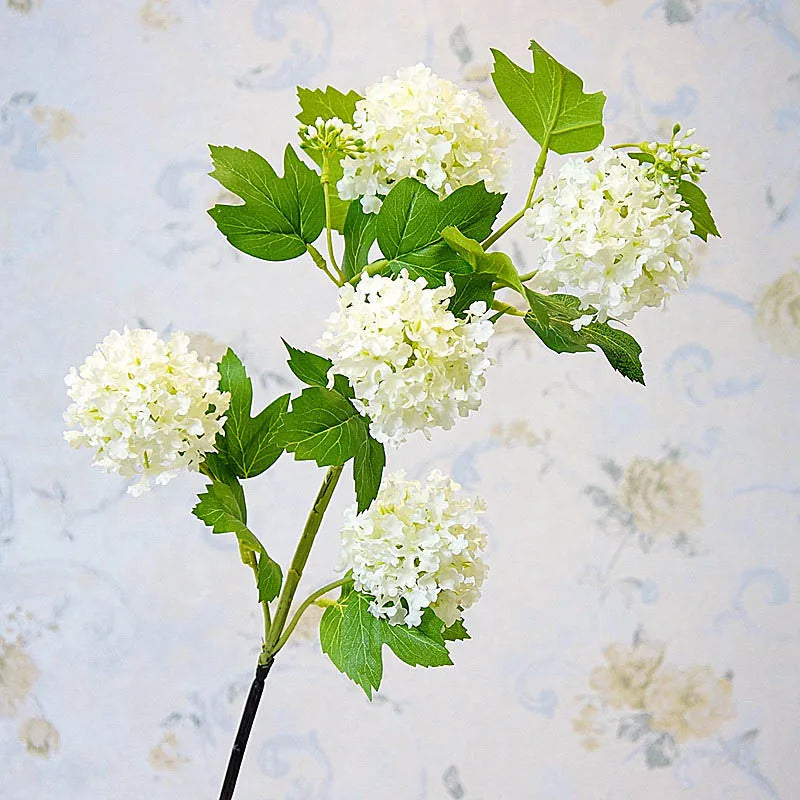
(370, 269)
(303, 608)
(505, 308)
(320, 261)
(300, 558)
(264, 606)
(624, 145)
(538, 170)
(526, 276)
(325, 179)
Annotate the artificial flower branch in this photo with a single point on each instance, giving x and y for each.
(413, 169)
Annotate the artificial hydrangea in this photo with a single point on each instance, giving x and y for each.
(421, 126)
(614, 234)
(416, 546)
(148, 407)
(412, 363)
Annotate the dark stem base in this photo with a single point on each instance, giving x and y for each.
(243, 734)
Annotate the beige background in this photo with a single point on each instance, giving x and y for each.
(128, 632)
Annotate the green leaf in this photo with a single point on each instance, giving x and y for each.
(216, 466)
(310, 368)
(270, 578)
(326, 103)
(470, 288)
(219, 509)
(360, 230)
(351, 637)
(455, 632)
(280, 215)
(249, 445)
(498, 265)
(421, 646)
(412, 218)
(322, 426)
(313, 371)
(368, 464)
(550, 102)
(695, 200)
(550, 318)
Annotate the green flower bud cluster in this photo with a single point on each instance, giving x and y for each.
(676, 160)
(327, 136)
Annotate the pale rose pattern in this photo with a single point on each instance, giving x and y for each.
(167, 755)
(18, 673)
(39, 736)
(778, 314)
(689, 703)
(651, 702)
(663, 496)
(627, 674)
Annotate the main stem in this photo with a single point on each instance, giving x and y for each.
(300, 557)
(274, 630)
(245, 726)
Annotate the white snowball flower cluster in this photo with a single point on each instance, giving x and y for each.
(421, 126)
(416, 546)
(148, 407)
(614, 235)
(412, 363)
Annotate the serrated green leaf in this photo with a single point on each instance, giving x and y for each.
(310, 368)
(496, 264)
(219, 509)
(422, 646)
(360, 231)
(270, 578)
(695, 200)
(313, 370)
(326, 103)
(368, 464)
(216, 466)
(456, 632)
(550, 102)
(412, 218)
(322, 426)
(351, 637)
(280, 215)
(551, 318)
(249, 446)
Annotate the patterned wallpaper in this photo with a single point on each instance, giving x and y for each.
(638, 634)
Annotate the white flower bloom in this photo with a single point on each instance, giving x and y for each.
(416, 546)
(412, 363)
(148, 407)
(689, 703)
(421, 126)
(614, 234)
